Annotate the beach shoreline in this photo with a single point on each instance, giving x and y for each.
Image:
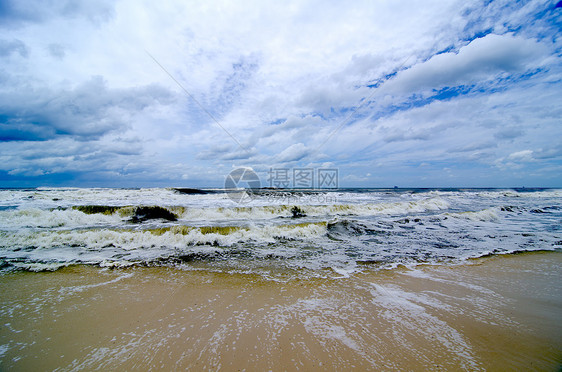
(498, 312)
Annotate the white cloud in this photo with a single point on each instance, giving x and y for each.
(483, 59)
(87, 112)
(292, 153)
(521, 156)
(282, 78)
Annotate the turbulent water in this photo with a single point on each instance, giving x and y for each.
(327, 233)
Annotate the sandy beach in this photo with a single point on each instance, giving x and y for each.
(280, 186)
(495, 313)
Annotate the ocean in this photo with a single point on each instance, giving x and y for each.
(272, 232)
(280, 280)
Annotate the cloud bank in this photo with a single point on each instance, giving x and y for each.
(463, 93)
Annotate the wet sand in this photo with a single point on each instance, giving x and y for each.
(496, 313)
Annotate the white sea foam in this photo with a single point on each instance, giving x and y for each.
(71, 218)
(85, 287)
(543, 194)
(174, 237)
(410, 310)
(4, 349)
(489, 214)
(65, 197)
(274, 211)
(41, 218)
(378, 228)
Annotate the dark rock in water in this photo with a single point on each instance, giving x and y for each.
(537, 211)
(297, 212)
(404, 221)
(190, 191)
(93, 209)
(346, 227)
(152, 213)
(190, 257)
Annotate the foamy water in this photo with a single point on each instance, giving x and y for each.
(329, 233)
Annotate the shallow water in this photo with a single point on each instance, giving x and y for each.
(495, 313)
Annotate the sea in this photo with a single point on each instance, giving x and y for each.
(275, 233)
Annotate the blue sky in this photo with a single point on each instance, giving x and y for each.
(409, 93)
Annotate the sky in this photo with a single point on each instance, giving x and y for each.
(412, 93)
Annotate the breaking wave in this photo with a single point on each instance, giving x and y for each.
(82, 215)
(49, 228)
